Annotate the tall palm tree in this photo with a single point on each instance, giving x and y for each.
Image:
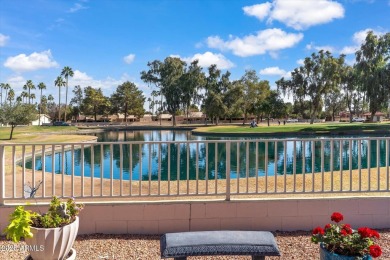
(1, 93)
(59, 82)
(32, 97)
(11, 96)
(29, 86)
(6, 87)
(50, 98)
(41, 86)
(24, 96)
(66, 72)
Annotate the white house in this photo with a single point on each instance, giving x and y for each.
(45, 119)
(378, 117)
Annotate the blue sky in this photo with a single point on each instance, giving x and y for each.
(108, 42)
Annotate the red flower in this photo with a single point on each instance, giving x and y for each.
(336, 217)
(375, 251)
(343, 232)
(318, 230)
(364, 232)
(347, 228)
(367, 232)
(328, 226)
(374, 233)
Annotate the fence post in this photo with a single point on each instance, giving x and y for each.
(227, 171)
(2, 174)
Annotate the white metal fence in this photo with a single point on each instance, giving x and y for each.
(194, 168)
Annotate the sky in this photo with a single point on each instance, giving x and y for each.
(108, 42)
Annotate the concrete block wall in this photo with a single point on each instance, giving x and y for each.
(255, 214)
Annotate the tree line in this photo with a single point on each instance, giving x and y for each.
(322, 86)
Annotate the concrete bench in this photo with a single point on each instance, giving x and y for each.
(258, 244)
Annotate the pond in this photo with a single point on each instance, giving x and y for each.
(249, 156)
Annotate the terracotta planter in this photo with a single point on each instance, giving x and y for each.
(326, 255)
(52, 243)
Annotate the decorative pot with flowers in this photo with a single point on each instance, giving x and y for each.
(48, 236)
(340, 241)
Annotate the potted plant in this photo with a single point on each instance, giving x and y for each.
(50, 235)
(340, 241)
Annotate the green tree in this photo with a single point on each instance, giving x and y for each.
(192, 82)
(41, 86)
(59, 82)
(317, 77)
(273, 106)
(28, 87)
(1, 93)
(11, 96)
(128, 99)
(233, 100)
(6, 87)
(17, 114)
(374, 70)
(213, 102)
(66, 73)
(254, 93)
(152, 76)
(95, 102)
(335, 103)
(349, 87)
(77, 99)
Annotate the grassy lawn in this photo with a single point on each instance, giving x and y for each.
(319, 128)
(39, 134)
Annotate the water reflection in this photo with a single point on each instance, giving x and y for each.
(207, 160)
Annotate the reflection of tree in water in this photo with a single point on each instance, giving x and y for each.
(209, 158)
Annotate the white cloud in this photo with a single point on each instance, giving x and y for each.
(269, 40)
(349, 49)
(77, 7)
(3, 39)
(108, 85)
(312, 46)
(199, 45)
(299, 15)
(208, 58)
(272, 71)
(260, 11)
(81, 76)
(34, 61)
(360, 36)
(300, 61)
(358, 39)
(129, 58)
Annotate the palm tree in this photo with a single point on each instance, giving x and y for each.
(1, 93)
(41, 86)
(29, 86)
(24, 96)
(66, 72)
(50, 98)
(11, 96)
(6, 87)
(32, 97)
(59, 82)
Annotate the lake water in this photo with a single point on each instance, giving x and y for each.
(141, 161)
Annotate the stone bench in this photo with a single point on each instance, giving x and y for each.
(258, 244)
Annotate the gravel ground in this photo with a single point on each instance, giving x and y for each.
(292, 245)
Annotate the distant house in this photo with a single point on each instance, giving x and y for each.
(378, 117)
(45, 120)
(165, 117)
(130, 118)
(146, 118)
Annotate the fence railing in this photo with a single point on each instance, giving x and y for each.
(194, 168)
